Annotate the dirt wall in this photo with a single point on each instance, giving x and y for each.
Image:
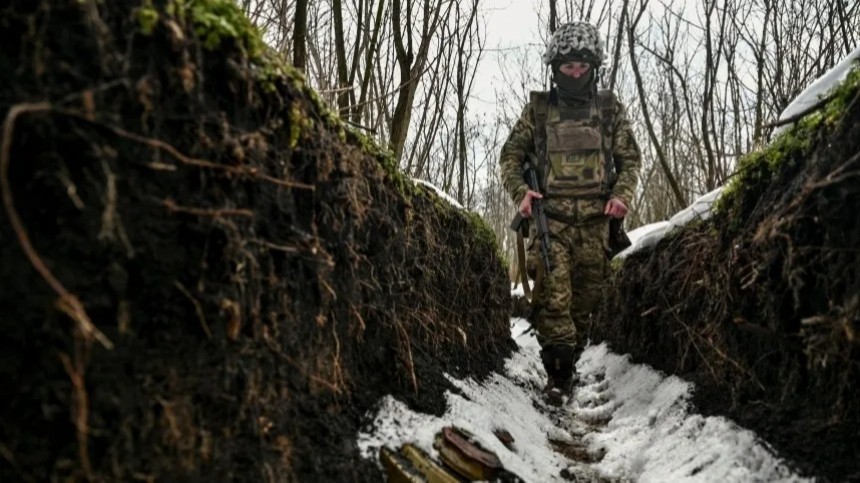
(759, 305)
(204, 275)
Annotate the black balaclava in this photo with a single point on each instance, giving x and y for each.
(573, 91)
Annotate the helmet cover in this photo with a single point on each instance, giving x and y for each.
(575, 40)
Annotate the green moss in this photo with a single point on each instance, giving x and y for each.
(299, 123)
(484, 234)
(383, 156)
(295, 125)
(271, 69)
(217, 21)
(147, 18)
(842, 96)
(214, 21)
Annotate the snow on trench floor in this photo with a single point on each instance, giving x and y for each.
(637, 417)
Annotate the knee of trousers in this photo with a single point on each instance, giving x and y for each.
(556, 294)
(556, 330)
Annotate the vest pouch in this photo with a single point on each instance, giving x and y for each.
(576, 162)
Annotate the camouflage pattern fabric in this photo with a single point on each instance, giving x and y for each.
(576, 283)
(575, 153)
(579, 245)
(520, 145)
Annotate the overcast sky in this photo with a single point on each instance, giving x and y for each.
(509, 24)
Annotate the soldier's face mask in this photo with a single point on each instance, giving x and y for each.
(574, 86)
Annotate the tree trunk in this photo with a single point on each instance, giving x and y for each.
(340, 57)
(411, 67)
(300, 33)
(661, 156)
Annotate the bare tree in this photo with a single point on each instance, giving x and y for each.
(299, 34)
(411, 61)
(701, 81)
(465, 78)
(676, 190)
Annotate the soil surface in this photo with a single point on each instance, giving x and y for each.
(204, 276)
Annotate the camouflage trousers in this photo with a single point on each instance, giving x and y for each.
(574, 287)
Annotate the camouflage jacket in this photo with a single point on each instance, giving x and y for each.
(521, 143)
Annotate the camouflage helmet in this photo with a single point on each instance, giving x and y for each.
(576, 39)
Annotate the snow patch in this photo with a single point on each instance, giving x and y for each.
(445, 196)
(517, 290)
(635, 415)
(652, 435)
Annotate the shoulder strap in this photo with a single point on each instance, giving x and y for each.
(540, 108)
(606, 104)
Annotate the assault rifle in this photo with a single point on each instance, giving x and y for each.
(520, 223)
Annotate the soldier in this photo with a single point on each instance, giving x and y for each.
(588, 160)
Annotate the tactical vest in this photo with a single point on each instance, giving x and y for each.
(574, 146)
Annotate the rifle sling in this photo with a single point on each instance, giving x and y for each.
(521, 266)
(531, 293)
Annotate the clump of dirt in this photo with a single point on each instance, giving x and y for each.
(759, 306)
(204, 275)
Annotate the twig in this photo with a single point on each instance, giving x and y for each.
(410, 363)
(163, 146)
(789, 120)
(112, 226)
(360, 126)
(337, 370)
(838, 175)
(7, 454)
(273, 246)
(197, 307)
(202, 163)
(358, 317)
(67, 302)
(172, 206)
(80, 405)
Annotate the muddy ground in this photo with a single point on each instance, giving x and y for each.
(760, 305)
(204, 276)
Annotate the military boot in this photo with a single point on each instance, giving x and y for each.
(558, 361)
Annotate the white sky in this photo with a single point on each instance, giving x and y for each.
(509, 24)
